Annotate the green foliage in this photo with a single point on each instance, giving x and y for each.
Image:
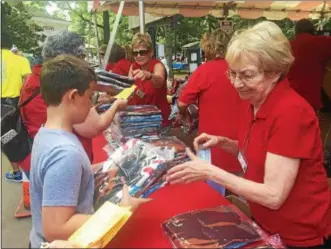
(24, 33)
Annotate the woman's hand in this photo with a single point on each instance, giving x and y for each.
(192, 171)
(132, 202)
(205, 141)
(139, 74)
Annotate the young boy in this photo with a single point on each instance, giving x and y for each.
(62, 180)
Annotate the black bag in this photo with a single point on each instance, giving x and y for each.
(15, 141)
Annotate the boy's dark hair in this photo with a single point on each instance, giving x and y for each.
(63, 73)
(304, 26)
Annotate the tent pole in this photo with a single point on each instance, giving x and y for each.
(89, 38)
(97, 37)
(142, 17)
(113, 34)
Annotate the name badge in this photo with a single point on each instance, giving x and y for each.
(140, 94)
(242, 161)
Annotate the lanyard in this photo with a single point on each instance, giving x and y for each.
(248, 135)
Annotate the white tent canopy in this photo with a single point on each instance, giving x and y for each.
(272, 10)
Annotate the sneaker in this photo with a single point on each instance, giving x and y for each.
(14, 177)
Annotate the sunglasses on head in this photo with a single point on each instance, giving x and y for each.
(140, 52)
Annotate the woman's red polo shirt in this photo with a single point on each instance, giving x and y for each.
(287, 125)
(219, 107)
(311, 53)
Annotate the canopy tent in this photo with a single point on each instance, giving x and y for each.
(272, 10)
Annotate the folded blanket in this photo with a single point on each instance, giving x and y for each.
(121, 78)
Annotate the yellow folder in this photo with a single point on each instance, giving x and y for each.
(102, 227)
(126, 93)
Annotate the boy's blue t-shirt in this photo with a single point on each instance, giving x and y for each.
(61, 175)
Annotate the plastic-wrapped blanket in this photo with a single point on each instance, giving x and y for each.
(114, 81)
(220, 227)
(139, 164)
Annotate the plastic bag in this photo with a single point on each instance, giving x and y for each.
(139, 164)
(220, 227)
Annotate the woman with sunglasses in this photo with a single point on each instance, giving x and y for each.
(279, 145)
(210, 88)
(150, 77)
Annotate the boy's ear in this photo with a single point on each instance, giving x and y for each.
(72, 94)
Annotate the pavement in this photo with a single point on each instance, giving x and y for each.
(14, 232)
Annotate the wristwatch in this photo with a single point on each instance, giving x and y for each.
(44, 245)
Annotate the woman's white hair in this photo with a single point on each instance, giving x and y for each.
(264, 44)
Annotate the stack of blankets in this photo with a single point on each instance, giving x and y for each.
(114, 81)
(143, 122)
(142, 165)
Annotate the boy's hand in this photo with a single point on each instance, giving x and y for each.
(132, 202)
(106, 98)
(121, 104)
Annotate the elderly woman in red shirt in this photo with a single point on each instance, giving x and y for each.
(219, 103)
(279, 144)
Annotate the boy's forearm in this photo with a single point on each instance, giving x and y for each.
(71, 226)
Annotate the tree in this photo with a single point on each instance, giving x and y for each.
(24, 33)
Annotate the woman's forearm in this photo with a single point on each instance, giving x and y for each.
(157, 81)
(252, 191)
(229, 145)
(96, 123)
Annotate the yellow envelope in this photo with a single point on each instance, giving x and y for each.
(102, 226)
(126, 93)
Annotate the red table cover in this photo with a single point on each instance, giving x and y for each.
(144, 230)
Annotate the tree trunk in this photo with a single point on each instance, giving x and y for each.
(106, 27)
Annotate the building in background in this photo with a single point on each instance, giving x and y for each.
(49, 23)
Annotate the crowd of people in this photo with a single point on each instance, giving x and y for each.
(258, 96)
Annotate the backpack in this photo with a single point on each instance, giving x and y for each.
(15, 141)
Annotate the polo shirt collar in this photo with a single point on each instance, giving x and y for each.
(272, 99)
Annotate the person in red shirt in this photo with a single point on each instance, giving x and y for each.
(279, 145)
(119, 59)
(120, 65)
(150, 77)
(311, 53)
(34, 114)
(219, 103)
(102, 53)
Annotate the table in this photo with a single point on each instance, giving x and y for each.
(143, 230)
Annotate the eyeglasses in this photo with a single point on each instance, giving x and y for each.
(246, 78)
(82, 56)
(140, 52)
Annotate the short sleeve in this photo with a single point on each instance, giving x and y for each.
(25, 67)
(193, 88)
(62, 178)
(295, 133)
